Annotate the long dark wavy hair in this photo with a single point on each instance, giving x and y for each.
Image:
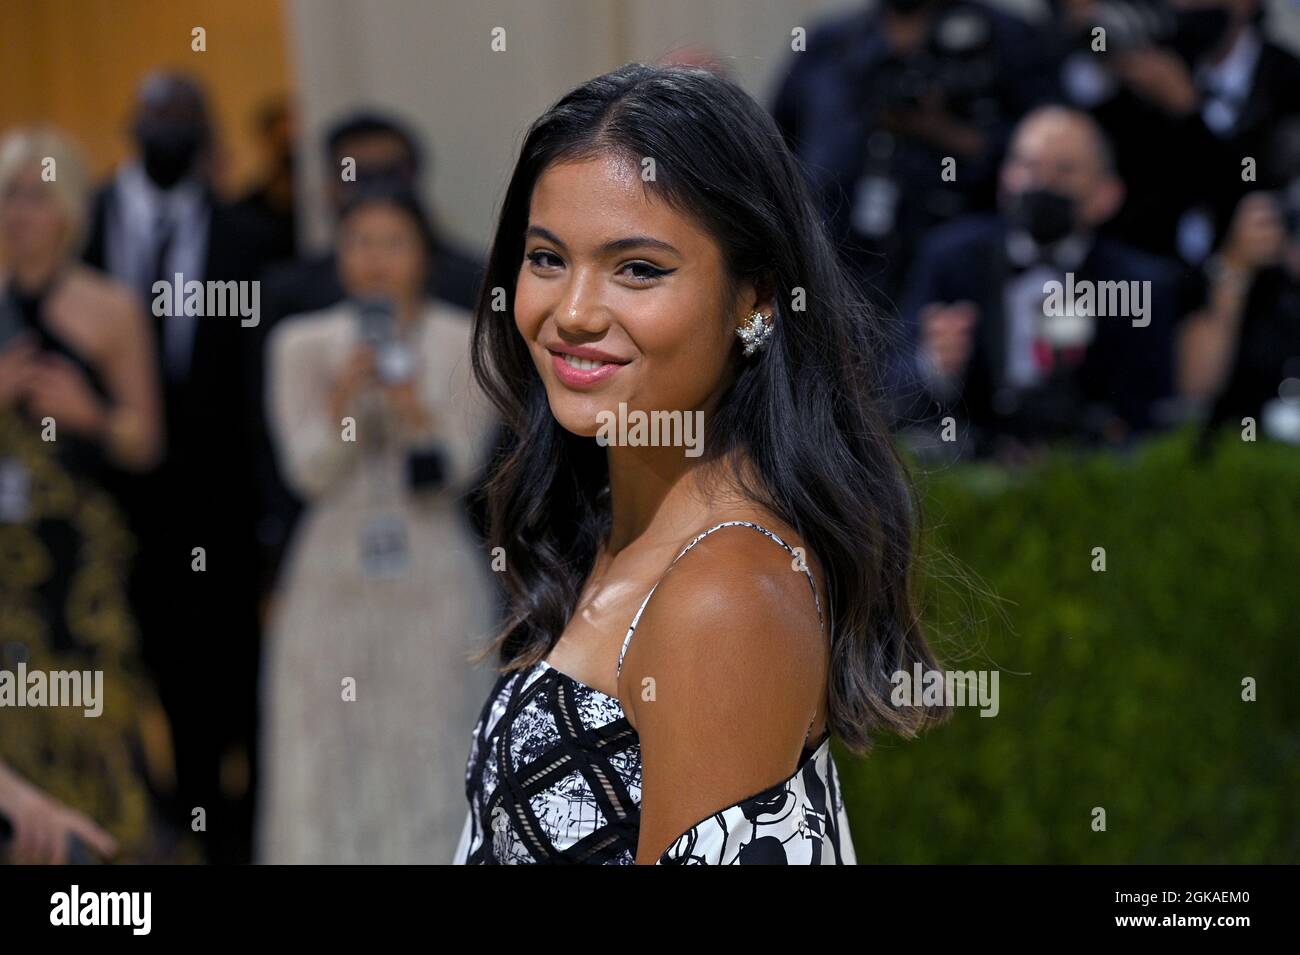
(804, 411)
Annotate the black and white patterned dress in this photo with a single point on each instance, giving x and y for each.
(554, 775)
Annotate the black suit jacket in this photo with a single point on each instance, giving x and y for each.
(207, 415)
(1172, 164)
(1124, 371)
(204, 493)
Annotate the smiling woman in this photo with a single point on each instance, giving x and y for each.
(778, 559)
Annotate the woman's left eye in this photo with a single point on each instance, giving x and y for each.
(644, 271)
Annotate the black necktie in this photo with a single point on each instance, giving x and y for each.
(162, 249)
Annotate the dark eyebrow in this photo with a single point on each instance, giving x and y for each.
(538, 232)
(615, 245)
(639, 242)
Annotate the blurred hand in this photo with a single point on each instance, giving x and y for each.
(357, 374)
(1159, 76)
(42, 826)
(59, 388)
(1256, 235)
(931, 122)
(404, 401)
(947, 334)
(17, 366)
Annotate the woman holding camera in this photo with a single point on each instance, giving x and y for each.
(368, 696)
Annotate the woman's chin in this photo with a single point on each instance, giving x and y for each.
(579, 415)
(580, 432)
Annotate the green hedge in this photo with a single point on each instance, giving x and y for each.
(1119, 689)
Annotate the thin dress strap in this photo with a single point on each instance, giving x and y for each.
(699, 537)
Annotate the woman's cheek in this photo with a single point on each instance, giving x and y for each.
(529, 310)
(672, 331)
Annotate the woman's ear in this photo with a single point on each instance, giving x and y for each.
(756, 295)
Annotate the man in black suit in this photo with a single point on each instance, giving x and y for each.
(158, 220)
(1030, 326)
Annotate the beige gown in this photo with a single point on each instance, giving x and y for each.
(368, 701)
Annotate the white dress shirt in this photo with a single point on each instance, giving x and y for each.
(141, 215)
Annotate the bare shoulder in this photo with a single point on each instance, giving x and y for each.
(111, 299)
(111, 294)
(102, 308)
(723, 678)
(735, 617)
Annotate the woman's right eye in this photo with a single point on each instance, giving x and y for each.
(544, 260)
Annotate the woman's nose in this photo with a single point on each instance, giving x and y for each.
(580, 310)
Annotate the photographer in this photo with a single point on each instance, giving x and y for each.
(984, 343)
(1188, 91)
(367, 693)
(898, 115)
(1241, 354)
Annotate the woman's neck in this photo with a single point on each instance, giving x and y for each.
(660, 490)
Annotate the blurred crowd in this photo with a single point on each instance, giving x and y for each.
(968, 159)
(1082, 229)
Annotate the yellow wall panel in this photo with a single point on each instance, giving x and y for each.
(76, 63)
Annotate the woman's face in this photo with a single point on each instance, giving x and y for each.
(32, 223)
(621, 298)
(381, 255)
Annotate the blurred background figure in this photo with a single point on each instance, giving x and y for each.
(883, 97)
(366, 146)
(271, 203)
(160, 214)
(159, 218)
(36, 829)
(78, 401)
(983, 346)
(1187, 90)
(368, 699)
(1241, 354)
(363, 146)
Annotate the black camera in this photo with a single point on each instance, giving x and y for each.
(394, 361)
(957, 63)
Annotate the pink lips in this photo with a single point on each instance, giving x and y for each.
(583, 377)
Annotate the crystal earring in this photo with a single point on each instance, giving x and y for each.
(755, 333)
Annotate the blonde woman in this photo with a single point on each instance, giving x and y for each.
(78, 402)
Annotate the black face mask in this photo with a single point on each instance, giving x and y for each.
(1048, 216)
(396, 171)
(169, 153)
(1199, 30)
